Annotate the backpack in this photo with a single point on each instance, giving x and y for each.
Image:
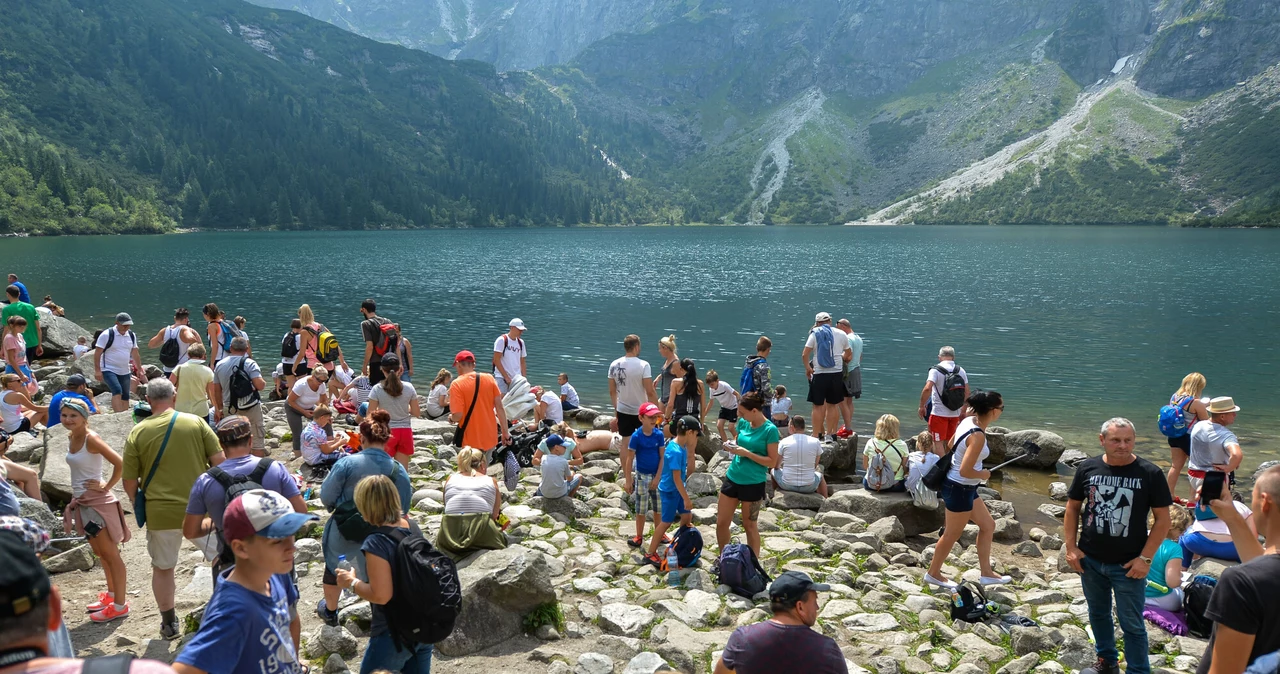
(969, 603)
(937, 476)
(881, 475)
(240, 385)
(953, 385)
(688, 547)
(741, 571)
(171, 351)
(1195, 600)
(326, 346)
(754, 376)
(1173, 418)
(111, 339)
(427, 595)
(289, 345)
(235, 485)
(388, 338)
(229, 332)
(824, 341)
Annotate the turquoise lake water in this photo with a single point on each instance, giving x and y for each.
(1072, 324)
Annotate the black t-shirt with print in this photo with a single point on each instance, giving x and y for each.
(1245, 601)
(1117, 499)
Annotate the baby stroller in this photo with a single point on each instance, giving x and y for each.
(519, 454)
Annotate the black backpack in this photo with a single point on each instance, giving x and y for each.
(289, 345)
(427, 595)
(111, 339)
(240, 385)
(1195, 601)
(969, 603)
(171, 351)
(952, 393)
(235, 485)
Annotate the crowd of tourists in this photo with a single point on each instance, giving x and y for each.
(195, 468)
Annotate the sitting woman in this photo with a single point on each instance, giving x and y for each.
(1164, 580)
(472, 507)
(887, 446)
(1208, 536)
(317, 447)
(17, 412)
(53, 306)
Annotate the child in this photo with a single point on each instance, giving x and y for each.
(781, 408)
(758, 365)
(438, 398)
(643, 456)
(671, 491)
(240, 323)
(81, 347)
(568, 394)
(723, 394)
(356, 394)
(557, 479)
(1166, 568)
(247, 621)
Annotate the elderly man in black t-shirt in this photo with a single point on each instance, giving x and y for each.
(1107, 508)
(784, 643)
(1245, 608)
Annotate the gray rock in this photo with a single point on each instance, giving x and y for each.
(1036, 534)
(1072, 458)
(1021, 665)
(40, 514)
(25, 449)
(559, 667)
(1026, 640)
(55, 474)
(1209, 566)
(1264, 467)
(703, 484)
(787, 500)
(357, 616)
(872, 507)
(975, 649)
(625, 619)
(1020, 443)
(569, 507)
(1027, 549)
(871, 622)
(498, 588)
(1058, 491)
(433, 494)
(1051, 542)
(547, 632)
(889, 529)
(1000, 509)
(886, 664)
(601, 423)
(594, 663)
(1008, 530)
(59, 336)
(79, 558)
(334, 664)
(1052, 510)
(306, 550)
(647, 662)
(332, 640)
(995, 443)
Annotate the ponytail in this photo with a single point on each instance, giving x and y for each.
(391, 383)
(376, 429)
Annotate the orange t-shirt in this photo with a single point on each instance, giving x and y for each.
(482, 430)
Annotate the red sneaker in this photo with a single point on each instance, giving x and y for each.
(653, 560)
(635, 542)
(104, 600)
(844, 432)
(109, 613)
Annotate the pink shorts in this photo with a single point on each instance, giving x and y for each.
(401, 442)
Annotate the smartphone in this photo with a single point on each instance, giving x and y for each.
(1211, 490)
(92, 529)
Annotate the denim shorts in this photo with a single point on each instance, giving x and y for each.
(957, 497)
(118, 384)
(799, 489)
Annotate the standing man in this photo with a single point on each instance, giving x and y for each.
(19, 307)
(785, 642)
(630, 386)
(181, 332)
(488, 419)
(509, 356)
(1213, 445)
(237, 381)
(825, 353)
(23, 295)
(1243, 607)
(946, 387)
(852, 372)
(1115, 492)
(163, 457)
(113, 354)
(378, 340)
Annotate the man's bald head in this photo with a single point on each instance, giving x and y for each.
(1269, 484)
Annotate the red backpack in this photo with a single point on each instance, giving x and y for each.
(388, 338)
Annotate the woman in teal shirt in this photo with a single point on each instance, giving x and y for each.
(755, 453)
(1166, 566)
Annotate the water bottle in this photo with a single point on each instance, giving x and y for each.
(673, 566)
(956, 601)
(345, 565)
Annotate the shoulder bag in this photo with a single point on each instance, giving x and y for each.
(462, 428)
(140, 502)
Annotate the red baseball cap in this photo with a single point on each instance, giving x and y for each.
(464, 356)
(650, 410)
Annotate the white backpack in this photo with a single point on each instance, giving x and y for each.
(880, 473)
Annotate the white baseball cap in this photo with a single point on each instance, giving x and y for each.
(517, 324)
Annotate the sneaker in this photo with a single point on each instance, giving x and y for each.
(635, 542)
(110, 613)
(944, 584)
(844, 432)
(995, 580)
(330, 618)
(1183, 502)
(104, 600)
(170, 631)
(653, 560)
(1102, 667)
(666, 540)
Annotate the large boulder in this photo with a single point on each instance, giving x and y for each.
(39, 513)
(60, 335)
(498, 588)
(1051, 447)
(871, 507)
(790, 500)
(996, 443)
(55, 475)
(840, 455)
(25, 449)
(84, 366)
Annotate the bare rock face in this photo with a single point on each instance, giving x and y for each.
(60, 335)
(871, 507)
(498, 588)
(1051, 446)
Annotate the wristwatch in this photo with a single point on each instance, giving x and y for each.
(1145, 559)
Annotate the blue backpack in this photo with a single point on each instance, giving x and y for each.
(748, 382)
(824, 341)
(1173, 418)
(687, 542)
(741, 571)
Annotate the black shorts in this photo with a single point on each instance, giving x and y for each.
(1182, 442)
(328, 577)
(747, 493)
(375, 372)
(730, 415)
(301, 369)
(827, 388)
(628, 424)
(23, 426)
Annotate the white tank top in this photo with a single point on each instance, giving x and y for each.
(467, 495)
(85, 466)
(969, 424)
(10, 415)
(173, 332)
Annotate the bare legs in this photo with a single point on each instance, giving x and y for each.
(1179, 460)
(725, 508)
(112, 565)
(954, 528)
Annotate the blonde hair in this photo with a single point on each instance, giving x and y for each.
(1179, 521)
(564, 429)
(377, 500)
(887, 427)
(1192, 385)
(441, 377)
(924, 442)
(712, 375)
(470, 460)
(669, 342)
(305, 315)
(196, 351)
(8, 378)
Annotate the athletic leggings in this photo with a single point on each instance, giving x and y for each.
(1199, 544)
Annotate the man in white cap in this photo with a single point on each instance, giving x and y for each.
(825, 353)
(509, 355)
(115, 350)
(1213, 446)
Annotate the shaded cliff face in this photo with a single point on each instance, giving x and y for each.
(1211, 45)
(1098, 33)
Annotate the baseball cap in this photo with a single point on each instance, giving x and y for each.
(649, 410)
(76, 380)
(464, 356)
(124, 319)
(517, 324)
(554, 440)
(792, 586)
(262, 513)
(688, 422)
(24, 584)
(822, 317)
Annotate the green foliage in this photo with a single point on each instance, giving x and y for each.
(888, 139)
(1238, 158)
(544, 614)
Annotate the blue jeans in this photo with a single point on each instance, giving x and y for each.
(118, 384)
(1100, 582)
(382, 654)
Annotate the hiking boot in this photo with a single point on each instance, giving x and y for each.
(1102, 667)
(170, 630)
(110, 613)
(104, 600)
(635, 542)
(653, 560)
(330, 618)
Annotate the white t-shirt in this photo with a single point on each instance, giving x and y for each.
(512, 351)
(724, 394)
(839, 344)
(1209, 445)
(938, 380)
(799, 456)
(343, 375)
(80, 350)
(1216, 525)
(958, 458)
(570, 394)
(782, 406)
(629, 373)
(308, 399)
(118, 357)
(297, 342)
(434, 408)
(555, 410)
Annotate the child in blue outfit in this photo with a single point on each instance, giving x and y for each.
(643, 456)
(673, 471)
